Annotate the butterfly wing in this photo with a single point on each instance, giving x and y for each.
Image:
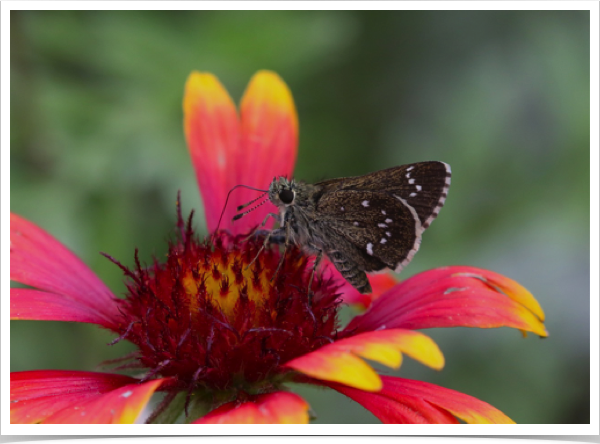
(424, 186)
(379, 229)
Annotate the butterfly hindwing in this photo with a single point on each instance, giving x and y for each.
(383, 230)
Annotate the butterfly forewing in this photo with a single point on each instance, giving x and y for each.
(424, 186)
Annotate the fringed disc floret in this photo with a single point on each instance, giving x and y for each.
(212, 318)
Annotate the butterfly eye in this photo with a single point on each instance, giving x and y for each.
(286, 196)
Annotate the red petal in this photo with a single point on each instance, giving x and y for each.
(511, 288)
(449, 297)
(389, 411)
(271, 408)
(39, 260)
(26, 304)
(404, 401)
(269, 141)
(62, 396)
(213, 136)
(120, 406)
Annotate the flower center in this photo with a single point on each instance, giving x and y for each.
(219, 314)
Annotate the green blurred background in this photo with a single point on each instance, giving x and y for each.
(98, 154)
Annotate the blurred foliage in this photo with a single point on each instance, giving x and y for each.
(97, 157)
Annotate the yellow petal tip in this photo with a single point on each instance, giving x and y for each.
(267, 89)
(423, 349)
(203, 97)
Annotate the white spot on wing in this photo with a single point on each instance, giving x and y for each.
(365, 203)
(388, 234)
(419, 188)
(411, 181)
(410, 168)
(383, 212)
(356, 224)
(388, 221)
(382, 225)
(412, 194)
(342, 209)
(383, 240)
(370, 248)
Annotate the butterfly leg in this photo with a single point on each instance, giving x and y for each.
(273, 236)
(286, 238)
(259, 229)
(285, 227)
(316, 263)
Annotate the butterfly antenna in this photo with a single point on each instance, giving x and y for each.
(241, 207)
(240, 215)
(227, 200)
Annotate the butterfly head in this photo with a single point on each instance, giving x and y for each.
(282, 192)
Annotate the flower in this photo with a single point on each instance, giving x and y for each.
(222, 325)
